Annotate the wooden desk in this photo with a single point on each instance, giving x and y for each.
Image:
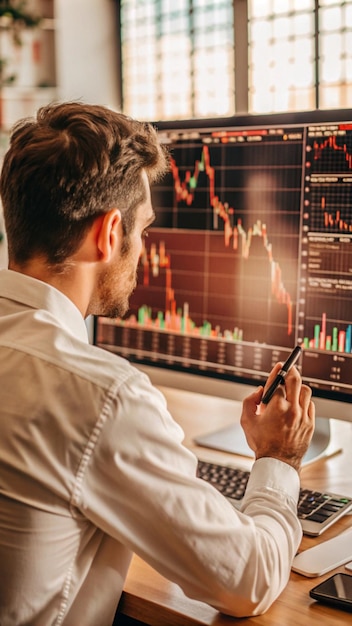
(154, 600)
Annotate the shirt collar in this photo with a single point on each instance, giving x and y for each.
(36, 294)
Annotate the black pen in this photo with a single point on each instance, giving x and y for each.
(280, 378)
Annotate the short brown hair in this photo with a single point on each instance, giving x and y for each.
(68, 165)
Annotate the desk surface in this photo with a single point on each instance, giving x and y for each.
(154, 600)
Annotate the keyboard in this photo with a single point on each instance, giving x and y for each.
(316, 510)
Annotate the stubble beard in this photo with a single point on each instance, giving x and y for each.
(115, 288)
(114, 294)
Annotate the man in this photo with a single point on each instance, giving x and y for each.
(92, 466)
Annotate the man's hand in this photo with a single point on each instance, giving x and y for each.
(283, 428)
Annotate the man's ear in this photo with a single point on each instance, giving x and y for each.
(109, 234)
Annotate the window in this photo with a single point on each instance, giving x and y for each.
(177, 58)
(206, 58)
(282, 55)
(335, 34)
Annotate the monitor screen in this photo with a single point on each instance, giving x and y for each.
(249, 256)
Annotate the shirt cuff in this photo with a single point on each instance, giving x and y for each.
(274, 475)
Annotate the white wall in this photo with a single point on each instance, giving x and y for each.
(87, 51)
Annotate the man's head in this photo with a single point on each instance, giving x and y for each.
(75, 188)
(63, 169)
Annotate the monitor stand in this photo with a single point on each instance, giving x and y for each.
(232, 439)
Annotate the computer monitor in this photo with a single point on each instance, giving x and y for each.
(250, 254)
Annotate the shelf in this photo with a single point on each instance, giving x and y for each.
(29, 72)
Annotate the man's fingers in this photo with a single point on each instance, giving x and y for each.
(293, 385)
(274, 372)
(252, 401)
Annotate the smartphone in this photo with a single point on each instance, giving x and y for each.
(336, 591)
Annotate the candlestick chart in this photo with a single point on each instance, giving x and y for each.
(329, 170)
(328, 221)
(231, 247)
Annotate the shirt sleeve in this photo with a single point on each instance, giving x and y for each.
(140, 487)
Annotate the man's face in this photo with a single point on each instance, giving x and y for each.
(119, 278)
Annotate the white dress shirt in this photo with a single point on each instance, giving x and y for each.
(93, 469)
